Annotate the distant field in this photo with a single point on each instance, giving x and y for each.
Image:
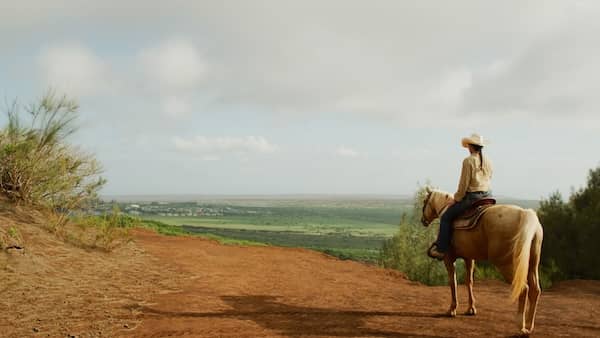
(363, 248)
(347, 228)
(353, 229)
(359, 218)
(308, 225)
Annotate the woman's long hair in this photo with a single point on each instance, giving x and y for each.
(479, 149)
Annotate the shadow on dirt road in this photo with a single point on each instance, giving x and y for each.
(292, 320)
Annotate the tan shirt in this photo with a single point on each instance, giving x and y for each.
(472, 177)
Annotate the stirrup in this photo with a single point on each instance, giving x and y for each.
(433, 253)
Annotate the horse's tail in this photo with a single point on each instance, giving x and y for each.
(522, 246)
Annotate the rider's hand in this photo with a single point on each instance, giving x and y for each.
(451, 202)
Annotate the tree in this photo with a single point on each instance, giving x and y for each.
(572, 231)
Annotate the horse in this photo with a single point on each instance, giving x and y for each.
(507, 236)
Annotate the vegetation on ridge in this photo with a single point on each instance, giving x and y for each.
(41, 170)
(572, 232)
(38, 166)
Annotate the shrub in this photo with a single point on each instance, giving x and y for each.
(572, 232)
(105, 232)
(38, 166)
(406, 251)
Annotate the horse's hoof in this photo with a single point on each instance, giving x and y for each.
(451, 313)
(471, 312)
(525, 332)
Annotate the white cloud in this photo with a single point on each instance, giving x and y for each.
(210, 158)
(412, 62)
(555, 76)
(453, 85)
(175, 69)
(73, 69)
(344, 151)
(173, 65)
(213, 148)
(176, 106)
(505, 65)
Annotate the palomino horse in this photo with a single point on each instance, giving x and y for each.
(507, 236)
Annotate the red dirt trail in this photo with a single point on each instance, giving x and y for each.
(161, 286)
(237, 291)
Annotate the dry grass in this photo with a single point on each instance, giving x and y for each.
(54, 289)
(90, 233)
(94, 233)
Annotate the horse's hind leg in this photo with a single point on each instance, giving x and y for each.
(533, 280)
(522, 306)
(470, 268)
(507, 272)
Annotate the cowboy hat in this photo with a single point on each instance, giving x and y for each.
(475, 139)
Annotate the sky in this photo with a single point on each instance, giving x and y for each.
(315, 97)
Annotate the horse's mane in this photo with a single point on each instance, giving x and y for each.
(440, 192)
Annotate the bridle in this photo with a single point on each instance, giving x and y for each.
(424, 221)
(437, 214)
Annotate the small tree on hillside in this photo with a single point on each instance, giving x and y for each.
(38, 166)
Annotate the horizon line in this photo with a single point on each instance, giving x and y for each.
(191, 197)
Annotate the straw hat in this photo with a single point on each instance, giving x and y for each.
(475, 139)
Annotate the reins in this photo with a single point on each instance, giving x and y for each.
(423, 220)
(425, 204)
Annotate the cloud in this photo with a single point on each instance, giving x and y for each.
(73, 69)
(173, 65)
(176, 106)
(344, 151)
(213, 148)
(414, 62)
(557, 75)
(175, 69)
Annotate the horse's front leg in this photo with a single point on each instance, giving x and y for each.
(451, 268)
(470, 269)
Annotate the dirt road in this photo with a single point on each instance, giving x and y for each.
(159, 286)
(236, 291)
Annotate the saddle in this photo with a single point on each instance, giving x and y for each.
(468, 220)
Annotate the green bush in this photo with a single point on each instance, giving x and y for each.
(38, 166)
(572, 232)
(407, 250)
(485, 270)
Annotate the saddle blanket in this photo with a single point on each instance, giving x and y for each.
(469, 219)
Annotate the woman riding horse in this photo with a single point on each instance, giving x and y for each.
(474, 185)
(507, 236)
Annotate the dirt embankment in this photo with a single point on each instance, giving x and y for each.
(161, 286)
(52, 289)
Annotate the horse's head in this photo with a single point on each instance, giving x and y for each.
(435, 202)
(427, 213)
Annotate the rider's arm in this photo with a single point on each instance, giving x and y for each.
(465, 178)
